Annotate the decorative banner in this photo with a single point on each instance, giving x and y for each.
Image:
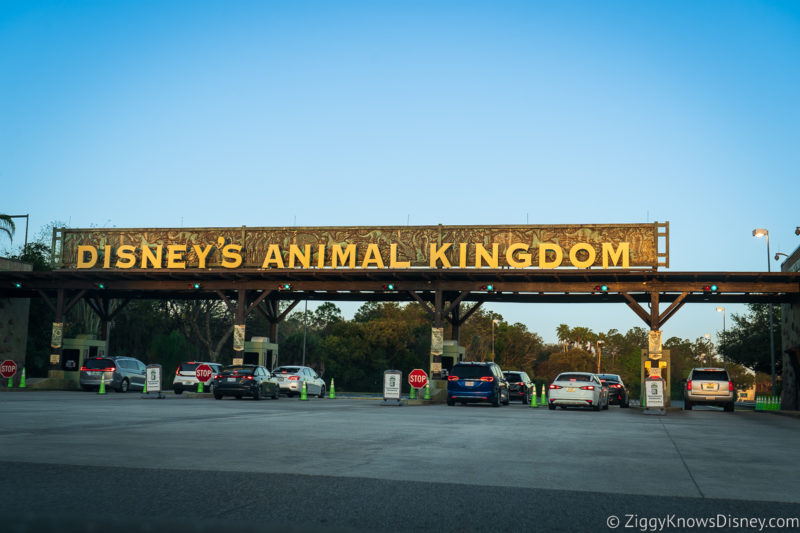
(437, 341)
(394, 247)
(57, 335)
(238, 338)
(654, 345)
(55, 359)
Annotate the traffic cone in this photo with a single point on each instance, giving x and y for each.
(332, 394)
(544, 395)
(199, 386)
(102, 389)
(144, 389)
(427, 395)
(22, 379)
(11, 382)
(304, 392)
(533, 398)
(412, 394)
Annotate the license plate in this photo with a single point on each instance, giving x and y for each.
(93, 374)
(230, 380)
(570, 389)
(469, 383)
(709, 386)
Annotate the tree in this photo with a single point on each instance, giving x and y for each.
(747, 342)
(7, 226)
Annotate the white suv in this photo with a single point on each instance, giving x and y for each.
(186, 378)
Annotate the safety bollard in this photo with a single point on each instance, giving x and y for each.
(332, 394)
(304, 392)
(22, 379)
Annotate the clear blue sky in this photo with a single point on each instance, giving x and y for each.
(163, 114)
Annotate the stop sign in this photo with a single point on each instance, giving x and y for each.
(8, 368)
(417, 378)
(203, 373)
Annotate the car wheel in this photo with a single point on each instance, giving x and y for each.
(321, 392)
(508, 398)
(257, 393)
(525, 399)
(605, 407)
(595, 408)
(123, 387)
(496, 400)
(687, 405)
(217, 396)
(551, 406)
(238, 396)
(178, 390)
(451, 402)
(276, 394)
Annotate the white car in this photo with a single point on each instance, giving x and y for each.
(577, 389)
(291, 378)
(186, 377)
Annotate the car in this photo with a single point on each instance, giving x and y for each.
(477, 382)
(617, 392)
(246, 380)
(291, 379)
(118, 372)
(520, 386)
(577, 389)
(186, 377)
(709, 386)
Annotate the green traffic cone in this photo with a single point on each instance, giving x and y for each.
(332, 394)
(427, 395)
(199, 386)
(144, 389)
(22, 379)
(412, 394)
(11, 382)
(304, 392)
(533, 398)
(102, 389)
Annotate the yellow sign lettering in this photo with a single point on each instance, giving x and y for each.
(373, 255)
(624, 250)
(573, 255)
(273, 256)
(126, 256)
(524, 258)
(82, 251)
(175, 257)
(548, 247)
(339, 256)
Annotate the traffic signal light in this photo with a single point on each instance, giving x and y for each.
(195, 285)
(601, 288)
(284, 287)
(710, 287)
(388, 287)
(488, 287)
(18, 284)
(100, 285)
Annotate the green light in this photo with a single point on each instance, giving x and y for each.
(488, 287)
(195, 285)
(603, 288)
(713, 287)
(284, 286)
(389, 286)
(101, 286)
(17, 284)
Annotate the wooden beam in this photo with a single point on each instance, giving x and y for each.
(424, 304)
(672, 309)
(225, 299)
(638, 309)
(75, 300)
(455, 303)
(286, 311)
(471, 311)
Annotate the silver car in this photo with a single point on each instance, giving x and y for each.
(709, 386)
(119, 373)
(291, 379)
(577, 389)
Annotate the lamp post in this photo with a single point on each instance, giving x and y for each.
(494, 321)
(710, 346)
(305, 320)
(761, 232)
(722, 310)
(599, 353)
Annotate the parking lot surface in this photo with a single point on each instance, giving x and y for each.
(354, 465)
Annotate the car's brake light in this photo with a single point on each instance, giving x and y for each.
(587, 387)
(452, 378)
(521, 384)
(218, 376)
(178, 371)
(730, 385)
(617, 386)
(294, 378)
(689, 385)
(109, 369)
(247, 377)
(487, 379)
(555, 386)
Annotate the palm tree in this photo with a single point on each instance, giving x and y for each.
(7, 226)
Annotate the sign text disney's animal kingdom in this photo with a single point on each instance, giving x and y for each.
(524, 246)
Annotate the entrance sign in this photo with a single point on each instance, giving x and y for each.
(619, 246)
(204, 373)
(153, 378)
(391, 385)
(418, 378)
(8, 368)
(654, 393)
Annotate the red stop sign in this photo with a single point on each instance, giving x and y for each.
(8, 368)
(203, 373)
(417, 378)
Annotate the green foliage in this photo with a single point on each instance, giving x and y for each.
(40, 317)
(169, 351)
(747, 342)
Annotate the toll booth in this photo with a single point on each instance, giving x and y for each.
(259, 351)
(452, 353)
(75, 352)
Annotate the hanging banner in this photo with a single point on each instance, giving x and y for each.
(57, 335)
(238, 338)
(437, 341)
(654, 345)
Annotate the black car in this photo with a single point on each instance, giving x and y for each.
(617, 392)
(246, 380)
(520, 386)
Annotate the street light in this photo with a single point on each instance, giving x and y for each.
(710, 346)
(722, 310)
(494, 321)
(761, 232)
(599, 353)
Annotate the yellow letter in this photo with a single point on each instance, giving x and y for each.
(273, 256)
(202, 254)
(482, 253)
(304, 258)
(438, 255)
(393, 262)
(622, 250)
(462, 255)
(175, 256)
(526, 258)
(547, 247)
(107, 257)
(149, 257)
(373, 255)
(232, 256)
(126, 256)
(573, 255)
(348, 255)
(321, 255)
(82, 251)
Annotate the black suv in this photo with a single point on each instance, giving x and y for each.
(617, 392)
(520, 386)
(477, 382)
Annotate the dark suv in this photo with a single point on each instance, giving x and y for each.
(520, 386)
(477, 382)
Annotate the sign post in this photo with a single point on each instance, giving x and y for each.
(7, 369)
(152, 382)
(392, 380)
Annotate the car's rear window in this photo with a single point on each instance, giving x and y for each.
(99, 363)
(287, 370)
(512, 376)
(608, 377)
(470, 371)
(710, 375)
(573, 377)
(242, 371)
(189, 367)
